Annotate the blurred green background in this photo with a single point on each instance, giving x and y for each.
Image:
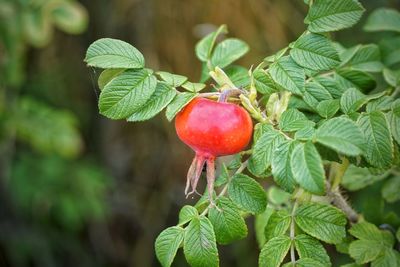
(77, 189)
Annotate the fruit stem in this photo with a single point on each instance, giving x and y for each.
(223, 97)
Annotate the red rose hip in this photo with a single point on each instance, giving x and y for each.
(211, 129)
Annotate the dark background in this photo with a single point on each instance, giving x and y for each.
(105, 204)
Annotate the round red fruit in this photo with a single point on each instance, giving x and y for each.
(213, 128)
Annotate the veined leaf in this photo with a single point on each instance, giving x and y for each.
(323, 222)
(315, 51)
(348, 78)
(352, 100)
(229, 225)
(162, 96)
(306, 164)
(247, 193)
(274, 251)
(383, 19)
(107, 75)
(187, 213)
(263, 151)
(167, 244)
(126, 93)
(394, 122)
(178, 103)
(204, 46)
(278, 224)
(173, 80)
(261, 220)
(110, 53)
(342, 135)
(379, 145)
(309, 247)
(293, 120)
(264, 83)
(193, 87)
(281, 169)
(327, 15)
(366, 58)
(328, 108)
(288, 75)
(199, 245)
(228, 51)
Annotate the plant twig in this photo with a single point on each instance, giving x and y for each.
(292, 233)
(340, 201)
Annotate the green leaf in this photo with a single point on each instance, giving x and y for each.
(247, 193)
(390, 190)
(287, 74)
(173, 80)
(379, 145)
(281, 169)
(382, 104)
(187, 213)
(307, 168)
(162, 96)
(383, 19)
(261, 220)
(263, 150)
(126, 93)
(305, 134)
(228, 51)
(323, 222)
(315, 51)
(308, 262)
(365, 58)
(276, 56)
(71, 17)
(390, 48)
(228, 224)
(328, 108)
(193, 87)
(167, 244)
(342, 135)
(107, 75)
(327, 15)
(391, 77)
(352, 100)
(274, 251)
(278, 224)
(110, 53)
(371, 243)
(369, 232)
(178, 103)
(308, 247)
(394, 123)
(348, 78)
(204, 46)
(389, 258)
(356, 178)
(263, 82)
(238, 75)
(330, 84)
(364, 251)
(293, 120)
(199, 244)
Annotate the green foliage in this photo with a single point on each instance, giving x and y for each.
(323, 222)
(318, 127)
(168, 243)
(199, 245)
(247, 193)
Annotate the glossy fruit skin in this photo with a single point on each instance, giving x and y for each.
(213, 128)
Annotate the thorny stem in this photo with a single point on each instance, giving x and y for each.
(333, 190)
(292, 233)
(225, 189)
